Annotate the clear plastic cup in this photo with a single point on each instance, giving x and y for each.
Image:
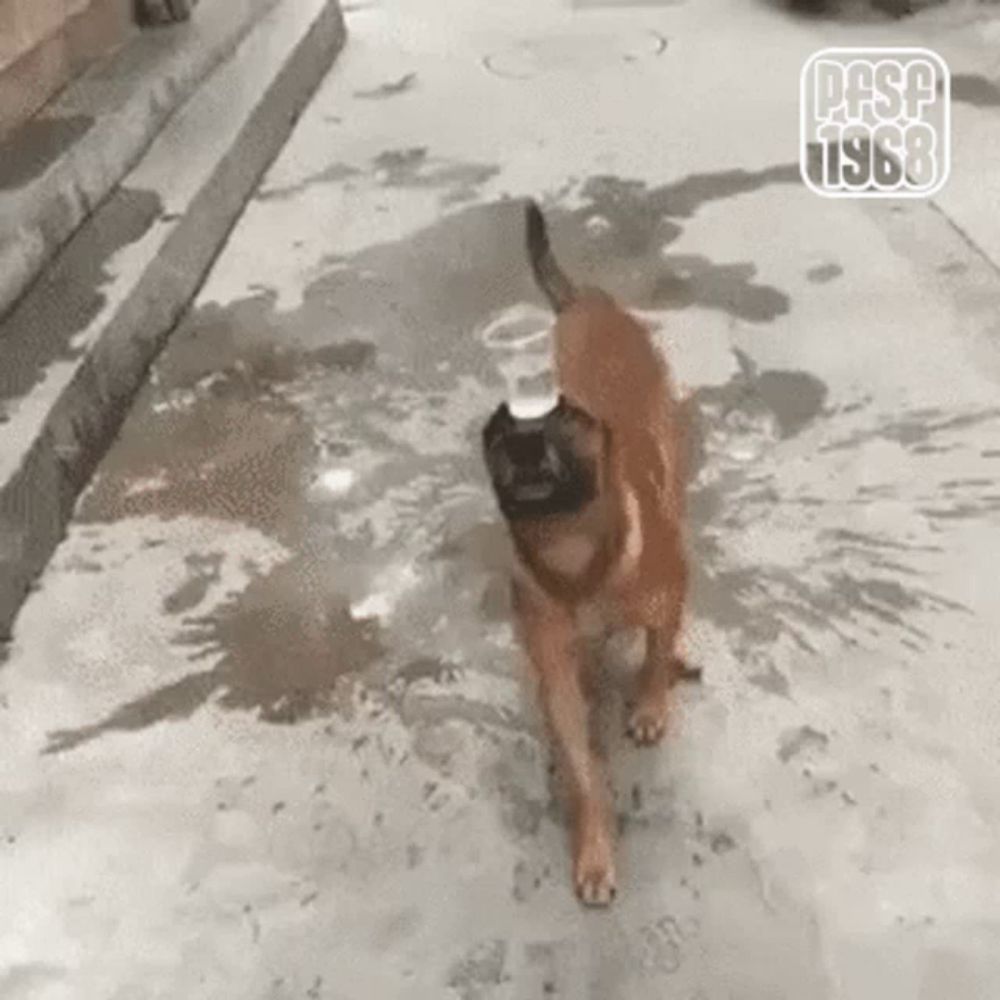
(521, 340)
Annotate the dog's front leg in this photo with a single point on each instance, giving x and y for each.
(662, 669)
(550, 637)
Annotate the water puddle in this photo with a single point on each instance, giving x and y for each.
(280, 648)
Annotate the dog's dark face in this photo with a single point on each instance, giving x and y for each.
(546, 466)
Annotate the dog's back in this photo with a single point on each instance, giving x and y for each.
(606, 362)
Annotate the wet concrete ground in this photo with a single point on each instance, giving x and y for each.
(265, 732)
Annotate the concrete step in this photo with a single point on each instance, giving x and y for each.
(60, 164)
(77, 345)
(45, 44)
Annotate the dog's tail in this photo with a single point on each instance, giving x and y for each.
(551, 279)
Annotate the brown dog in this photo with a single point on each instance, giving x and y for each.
(608, 542)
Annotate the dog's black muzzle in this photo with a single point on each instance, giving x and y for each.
(535, 465)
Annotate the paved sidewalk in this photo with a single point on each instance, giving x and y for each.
(264, 733)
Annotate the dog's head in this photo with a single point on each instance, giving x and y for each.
(546, 465)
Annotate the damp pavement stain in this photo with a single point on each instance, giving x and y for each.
(33, 147)
(862, 586)
(213, 435)
(683, 198)
(801, 740)
(333, 174)
(280, 648)
(203, 572)
(480, 972)
(41, 328)
(392, 88)
(412, 167)
(275, 654)
(823, 273)
(976, 90)
(619, 236)
(415, 168)
(422, 298)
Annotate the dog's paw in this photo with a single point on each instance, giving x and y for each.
(594, 873)
(647, 725)
(685, 672)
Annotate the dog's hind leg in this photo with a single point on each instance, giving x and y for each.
(553, 646)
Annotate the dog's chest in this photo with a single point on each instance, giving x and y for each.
(596, 619)
(569, 555)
